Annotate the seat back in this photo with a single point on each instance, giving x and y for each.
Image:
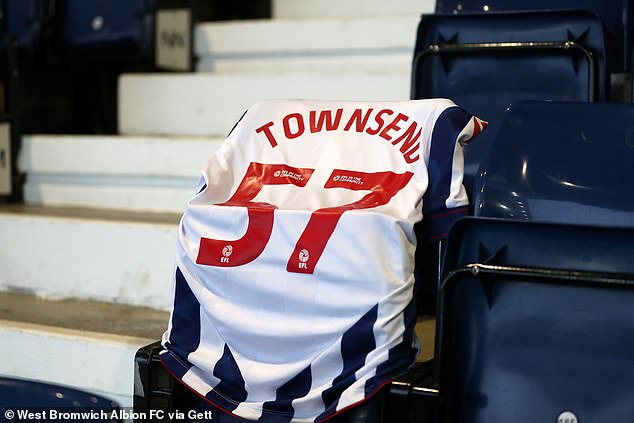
(561, 162)
(33, 394)
(617, 16)
(117, 28)
(20, 19)
(477, 60)
(522, 344)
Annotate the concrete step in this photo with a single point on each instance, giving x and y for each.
(110, 256)
(349, 8)
(210, 104)
(372, 44)
(113, 172)
(82, 344)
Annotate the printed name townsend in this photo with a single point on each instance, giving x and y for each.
(385, 123)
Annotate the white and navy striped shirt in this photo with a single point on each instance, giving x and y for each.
(293, 288)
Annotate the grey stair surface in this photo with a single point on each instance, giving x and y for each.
(93, 316)
(111, 215)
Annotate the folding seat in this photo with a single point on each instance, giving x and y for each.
(79, 31)
(561, 162)
(20, 21)
(557, 162)
(534, 324)
(34, 396)
(122, 29)
(616, 14)
(485, 62)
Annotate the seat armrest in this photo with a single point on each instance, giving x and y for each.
(412, 395)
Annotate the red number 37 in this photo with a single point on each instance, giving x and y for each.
(321, 225)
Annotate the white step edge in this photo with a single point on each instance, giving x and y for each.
(393, 61)
(104, 260)
(262, 37)
(209, 104)
(96, 362)
(113, 172)
(319, 45)
(146, 156)
(135, 194)
(296, 9)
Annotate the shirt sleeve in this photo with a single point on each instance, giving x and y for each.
(445, 199)
(216, 177)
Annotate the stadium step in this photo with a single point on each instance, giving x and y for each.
(302, 9)
(311, 45)
(112, 256)
(83, 344)
(210, 104)
(114, 172)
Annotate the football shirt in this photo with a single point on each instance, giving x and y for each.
(293, 286)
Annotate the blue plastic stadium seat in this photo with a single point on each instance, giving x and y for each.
(561, 162)
(121, 27)
(534, 324)
(19, 21)
(475, 60)
(32, 395)
(616, 14)
(539, 326)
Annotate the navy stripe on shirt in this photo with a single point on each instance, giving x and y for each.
(436, 225)
(185, 332)
(448, 126)
(231, 390)
(356, 343)
(400, 357)
(281, 410)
